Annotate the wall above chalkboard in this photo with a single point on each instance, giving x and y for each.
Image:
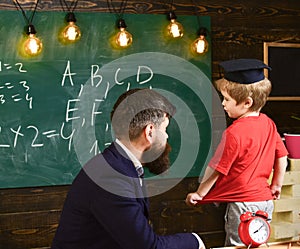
(55, 107)
(284, 59)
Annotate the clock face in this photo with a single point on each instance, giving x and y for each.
(259, 230)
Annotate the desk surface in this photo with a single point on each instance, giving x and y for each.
(274, 245)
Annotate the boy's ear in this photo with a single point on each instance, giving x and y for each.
(248, 102)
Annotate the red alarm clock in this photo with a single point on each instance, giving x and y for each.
(254, 229)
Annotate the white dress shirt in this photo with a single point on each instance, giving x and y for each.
(137, 164)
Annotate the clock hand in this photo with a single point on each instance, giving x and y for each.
(258, 229)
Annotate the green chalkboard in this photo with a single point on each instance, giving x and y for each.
(55, 107)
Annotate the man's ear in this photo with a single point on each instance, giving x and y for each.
(149, 130)
(248, 102)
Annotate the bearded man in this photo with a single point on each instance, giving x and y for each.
(107, 205)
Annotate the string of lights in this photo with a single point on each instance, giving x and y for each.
(32, 45)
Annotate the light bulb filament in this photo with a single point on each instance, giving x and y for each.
(175, 29)
(71, 33)
(200, 45)
(124, 38)
(32, 46)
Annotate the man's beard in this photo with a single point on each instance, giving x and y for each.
(161, 164)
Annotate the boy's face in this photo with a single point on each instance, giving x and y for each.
(230, 106)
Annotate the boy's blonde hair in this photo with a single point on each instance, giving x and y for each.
(258, 91)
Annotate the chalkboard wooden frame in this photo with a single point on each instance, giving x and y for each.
(284, 59)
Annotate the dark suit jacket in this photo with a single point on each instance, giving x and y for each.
(106, 209)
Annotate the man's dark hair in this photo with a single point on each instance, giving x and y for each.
(135, 109)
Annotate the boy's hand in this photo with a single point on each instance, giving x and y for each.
(193, 198)
(276, 191)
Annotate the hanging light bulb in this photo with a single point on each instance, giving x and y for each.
(123, 38)
(174, 29)
(71, 33)
(200, 45)
(32, 45)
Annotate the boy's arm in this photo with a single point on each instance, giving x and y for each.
(278, 175)
(209, 179)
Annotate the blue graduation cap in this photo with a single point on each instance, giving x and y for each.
(244, 71)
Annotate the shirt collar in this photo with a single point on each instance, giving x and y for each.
(132, 157)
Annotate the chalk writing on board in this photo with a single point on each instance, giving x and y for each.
(97, 79)
(35, 134)
(15, 91)
(19, 132)
(6, 66)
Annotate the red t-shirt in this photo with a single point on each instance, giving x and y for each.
(245, 158)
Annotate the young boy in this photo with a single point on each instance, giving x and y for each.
(250, 149)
